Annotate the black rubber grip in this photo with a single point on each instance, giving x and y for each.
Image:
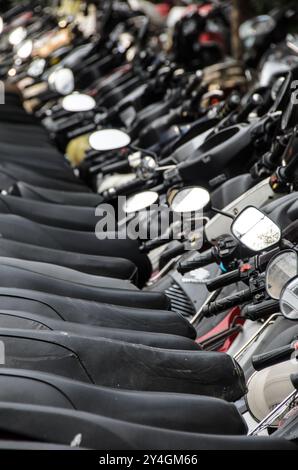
(203, 260)
(223, 280)
(227, 302)
(261, 361)
(152, 244)
(114, 167)
(260, 310)
(123, 189)
(82, 130)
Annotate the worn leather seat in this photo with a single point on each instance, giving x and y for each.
(23, 230)
(119, 364)
(20, 277)
(11, 173)
(64, 216)
(119, 268)
(74, 198)
(62, 273)
(174, 411)
(91, 431)
(29, 321)
(95, 313)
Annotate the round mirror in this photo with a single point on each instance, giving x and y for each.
(257, 26)
(289, 300)
(78, 102)
(190, 200)
(62, 81)
(109, 139)
(140, 201)
(255, 230)
(17, 36)
(36, 68)
(25, 50)
(280, 269)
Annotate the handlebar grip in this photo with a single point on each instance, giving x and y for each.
(114, 167)
(82, 130)
(203, 260)
(260, 310)
(261, 361)
(152, 244)
(223, 280)
(123, 189)
(227, 302)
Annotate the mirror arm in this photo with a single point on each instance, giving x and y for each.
(225, 214)
(286, 244)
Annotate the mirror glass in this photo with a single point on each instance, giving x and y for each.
(17, 36)
(62, 81)
(255, 230)
(289, 300)
(257, 26)
(140, 201)
(109, 139)
(190, 200)
(37, 67)
(280, 269)
(25, 50)
(78, 102)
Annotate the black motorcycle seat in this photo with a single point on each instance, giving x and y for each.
(10, 133)
(28, 321)
(33, 445)
(20, 229)
(11, 173)
(66, 274)
(188, 413)
(284, 210)
(118, 364)
(36, 193)
(19, 277)
(56, 215)
(57, 169)
(60, 426)
(31, 152)
(86, 312)
(119, 268)
(231, 190)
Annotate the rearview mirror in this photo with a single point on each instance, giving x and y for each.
(17, 36)
(36, 68)
(289, 300)
(77, 102)
(109, 139)
(190, 199)
(140, 201)
(255, 230)
(280, 269)
(25, 50)
(62, 81)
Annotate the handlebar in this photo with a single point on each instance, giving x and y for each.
(276, 356)
(203, 260)
(226, 303)
(223, 280)
(261, 309)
